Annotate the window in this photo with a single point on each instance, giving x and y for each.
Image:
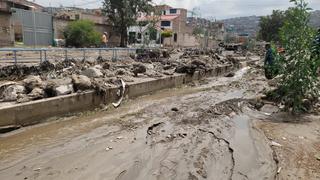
(173, 11)
(165, 23)
(77, 16)
(175, 37)
(164, 12)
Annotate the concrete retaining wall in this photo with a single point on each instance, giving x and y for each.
(38, 111)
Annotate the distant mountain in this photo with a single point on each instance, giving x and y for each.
(250, 25)
(243, 25)
(315, 19)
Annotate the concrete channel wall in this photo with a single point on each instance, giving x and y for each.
(39, 111)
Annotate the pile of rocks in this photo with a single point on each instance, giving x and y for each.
(50, 79)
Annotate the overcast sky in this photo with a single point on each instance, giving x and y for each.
(218, 9)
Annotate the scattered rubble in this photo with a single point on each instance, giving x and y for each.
(50, 79)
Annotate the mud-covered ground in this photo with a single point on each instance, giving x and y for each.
(207, 130)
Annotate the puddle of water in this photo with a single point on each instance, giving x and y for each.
(245, 152)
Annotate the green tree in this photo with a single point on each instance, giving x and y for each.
(123, 14)
(299, 83)
(81, 33)
(270, 26)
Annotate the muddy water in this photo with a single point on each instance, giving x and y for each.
(209, 137)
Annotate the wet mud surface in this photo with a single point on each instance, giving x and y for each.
(208, 130)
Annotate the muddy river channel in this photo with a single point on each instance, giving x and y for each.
(205, 130)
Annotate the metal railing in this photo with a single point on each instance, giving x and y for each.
(11, 55)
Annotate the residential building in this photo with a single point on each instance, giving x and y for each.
(10, 30)
(165, 18)
(63, 16)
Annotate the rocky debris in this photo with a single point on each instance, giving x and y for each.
(32, 82)
(198, 63)
(81, 82)
(5, 85)
(121, 72)
(12, 92)
(87, 74)
(22, 98)
(92, 72)
(64, 90)
(106, 66)
(232, 74)
(165, 54)
(186, 69)
(37, 93)
(18, 71)
(174, 109)
(101, 60)
(147, 54)
(139, 69)
(47, 66)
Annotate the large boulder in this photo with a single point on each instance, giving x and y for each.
(92, 73)
(12, 92)
(64, 90)
(32, 82)
(81, 82)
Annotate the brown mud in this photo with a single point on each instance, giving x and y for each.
(208, 130)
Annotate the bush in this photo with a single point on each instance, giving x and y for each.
(81, 33)
(300, 82)
(167, 33)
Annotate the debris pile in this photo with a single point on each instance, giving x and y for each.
(23, 83)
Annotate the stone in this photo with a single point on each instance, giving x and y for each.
(268, 108)
(139, 69)
(12, 92)
(198, 63)
(81, 82)
(64, 90)
(5, 85)
(92, 73)
(98, 67)
(186, 69)
(36, 93)
(165, 54)
(32, 82)
(22, 98)
(106, 66)
(121, 72)
(231, 74)
(109, 73)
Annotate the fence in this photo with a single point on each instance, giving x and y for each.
(37, 27)
(29, 55)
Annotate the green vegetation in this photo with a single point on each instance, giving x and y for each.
(81, 33)
(166, 34)
(270, 26)
(123, 14)
(299, 85)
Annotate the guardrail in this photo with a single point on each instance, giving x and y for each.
(41, 54)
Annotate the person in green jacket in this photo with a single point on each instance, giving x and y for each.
(269, 62)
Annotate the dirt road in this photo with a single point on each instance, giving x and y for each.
(208, 130)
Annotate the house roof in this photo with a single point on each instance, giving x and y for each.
(168, 17)
(26, 3)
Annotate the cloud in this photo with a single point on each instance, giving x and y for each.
(218, 9)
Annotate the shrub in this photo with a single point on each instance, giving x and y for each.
(81, 33)
(299, 80)
(167, 33)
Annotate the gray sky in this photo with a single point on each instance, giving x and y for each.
(218, 9)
